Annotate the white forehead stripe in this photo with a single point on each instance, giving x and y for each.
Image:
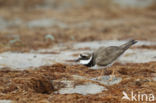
(86, 61)
(84, 54)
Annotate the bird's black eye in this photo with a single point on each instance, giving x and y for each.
(84, 56)
(80, 55)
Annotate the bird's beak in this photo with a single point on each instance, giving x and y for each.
(77, 60)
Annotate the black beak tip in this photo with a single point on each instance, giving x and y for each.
(77, 60)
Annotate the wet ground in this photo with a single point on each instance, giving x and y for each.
(39, 41)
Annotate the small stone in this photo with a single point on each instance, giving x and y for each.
(106, 80)
(154, 78)
(5, 101)
(84, 89)
(49, 36)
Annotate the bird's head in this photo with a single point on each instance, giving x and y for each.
(85, 58)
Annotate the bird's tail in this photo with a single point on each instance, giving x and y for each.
(128, 44)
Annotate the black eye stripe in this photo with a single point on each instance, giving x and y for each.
(83, 56)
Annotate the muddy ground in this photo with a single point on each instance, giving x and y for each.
(31, 26)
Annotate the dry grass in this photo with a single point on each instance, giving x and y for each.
(107, 21)
(38, 85)
(20, 3)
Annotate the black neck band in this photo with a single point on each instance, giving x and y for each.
(91, 63)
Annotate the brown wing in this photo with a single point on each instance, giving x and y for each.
(108, 55)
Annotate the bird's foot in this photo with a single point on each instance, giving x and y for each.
(111, 77)
(99, 78)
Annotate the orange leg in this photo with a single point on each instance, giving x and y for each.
(102, 72)
(112, 76)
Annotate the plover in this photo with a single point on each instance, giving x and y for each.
(104, 56)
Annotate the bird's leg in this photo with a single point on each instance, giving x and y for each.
(112, 76)
(100, 77)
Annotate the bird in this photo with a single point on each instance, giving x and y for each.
(104, 57)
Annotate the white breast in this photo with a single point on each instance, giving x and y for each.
(86, 61)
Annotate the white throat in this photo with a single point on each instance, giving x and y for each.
(86, 61)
